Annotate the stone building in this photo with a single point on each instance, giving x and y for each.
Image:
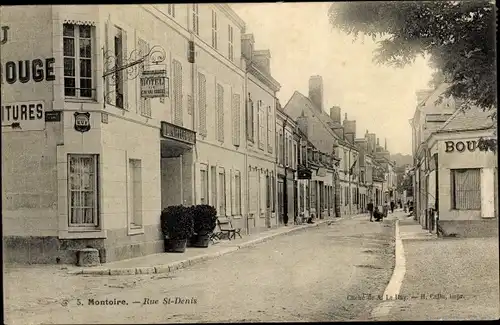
(92, 154)
(456, 182)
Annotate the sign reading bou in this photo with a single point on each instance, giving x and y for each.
(154, 84)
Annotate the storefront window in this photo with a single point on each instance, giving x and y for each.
(466, 189)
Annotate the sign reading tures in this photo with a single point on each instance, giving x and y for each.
(154, 84)
(29, 115)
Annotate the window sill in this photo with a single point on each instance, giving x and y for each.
(82, 234)
(135, 230)
(237, 217)
(80, 100)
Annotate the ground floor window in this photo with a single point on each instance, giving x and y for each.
(213, 187)
(83, 193)
(135, 192)
(313, 194)
(204, 185)
(237, 193)
(222, 193)
(466, 189)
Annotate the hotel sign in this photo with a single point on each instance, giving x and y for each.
(174, 132)
(154, 84)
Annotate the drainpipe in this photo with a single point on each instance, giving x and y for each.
(247, 184)
(194, 116)
(285, 187)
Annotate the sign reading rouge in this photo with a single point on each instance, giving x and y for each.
(29, 115)
(460, 146)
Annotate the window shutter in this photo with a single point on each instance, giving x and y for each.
(202, 103)
(109, 62)
(233, 192)
(124, 72)
(177, 69)
(190, 104)
(236, 119)
(220, 113)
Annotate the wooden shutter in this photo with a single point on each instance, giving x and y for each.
(202, 103)
(236, 119)
(233, 192)
(109, 62)
(220, 113)
(177, 80)
(190, 104)
(269, 129)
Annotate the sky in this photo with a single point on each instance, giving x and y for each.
(302, 43)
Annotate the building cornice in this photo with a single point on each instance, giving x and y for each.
(264, 78)
(226, 9)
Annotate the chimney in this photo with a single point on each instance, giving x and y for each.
(335, 114)
(378, 142)
(302, 123)
(316, 91)
(385, 144)
(262, 60)
(349, 137)
(366, 133)
(247, 42)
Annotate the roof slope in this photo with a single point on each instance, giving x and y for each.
(470, 119)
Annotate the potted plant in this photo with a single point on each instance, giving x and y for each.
(205, 218)
(177, 227)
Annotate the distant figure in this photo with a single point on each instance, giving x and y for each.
(311, 219)
(370, 210)
(385, 210)
(377, 215)
(392, 206)
(400, 204)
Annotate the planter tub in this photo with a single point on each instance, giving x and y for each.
(200, 240)
(175, 245)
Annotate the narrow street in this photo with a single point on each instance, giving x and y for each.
(313, 275)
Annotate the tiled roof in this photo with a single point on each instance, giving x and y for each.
(470, 119)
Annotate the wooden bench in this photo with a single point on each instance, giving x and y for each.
(226, 228)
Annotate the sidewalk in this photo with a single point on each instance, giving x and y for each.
(446, 279)
(168, 262)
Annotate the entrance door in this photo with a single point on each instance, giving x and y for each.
(281, 201)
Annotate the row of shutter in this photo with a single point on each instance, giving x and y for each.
(231, 185)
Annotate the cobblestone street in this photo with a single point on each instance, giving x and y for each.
(304, 276)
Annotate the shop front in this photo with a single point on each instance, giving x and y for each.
(461, 185)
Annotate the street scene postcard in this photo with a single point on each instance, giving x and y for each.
(249, 162)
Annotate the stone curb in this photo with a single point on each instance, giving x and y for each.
(170, 267)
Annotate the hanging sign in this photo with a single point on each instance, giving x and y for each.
(154, 84)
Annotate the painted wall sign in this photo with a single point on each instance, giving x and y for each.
(53, 116)
(82, 121)
(461, 146)
(25, 70)
(154, 83)
(5, 34)
(29, 115)
(175, 132)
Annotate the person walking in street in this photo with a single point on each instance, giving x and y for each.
(385, 208)
(392, 206)
(370, 210)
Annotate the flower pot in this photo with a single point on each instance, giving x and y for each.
(175, 245)
(200, 240)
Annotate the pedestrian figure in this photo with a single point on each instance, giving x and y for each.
(385, 210)
(370, 210)
(392, 206)
(377, 215)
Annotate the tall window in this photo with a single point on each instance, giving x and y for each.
(171, 10)
(202, 103)
(290, 154)
(237, 193)
(144, 103)
(222, 193)
(313, 194)
(135, 190)
(82, 187)
(219, 118)
(177, 90)
(285, 153)
(230, 50)
(281, 149)
(270, 122)
(196, 21)
(250, 120)
(268, 192)
(236, 119)
(214, 29)
(77, 53)
(466, 189)
(119, 75)
(295, 156)
(261, 126)
(204, 186)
